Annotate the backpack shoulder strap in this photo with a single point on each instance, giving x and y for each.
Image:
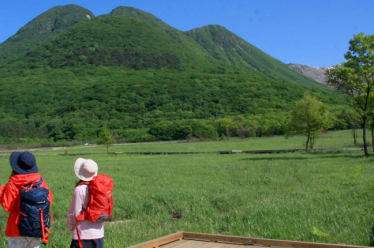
(32, 185)
(83, 183)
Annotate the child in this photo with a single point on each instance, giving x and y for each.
(24, 176)
(90, 233)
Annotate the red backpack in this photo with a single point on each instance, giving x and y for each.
(100, 204)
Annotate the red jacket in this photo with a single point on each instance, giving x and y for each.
(10, 200)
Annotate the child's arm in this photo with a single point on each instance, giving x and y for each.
(75, 208)
(70, 217)
(8, 196)
(2, 188)
(70, 221)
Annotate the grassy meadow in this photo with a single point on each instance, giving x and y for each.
(319, 196)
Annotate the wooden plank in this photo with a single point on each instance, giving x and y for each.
(178, 244)
(160, 241)
(204, 244)
(200, 240)
(263, 242)
(188, 243)
(199, 244)
(224, 245)
(217, 238)
(174, 244)
(207, 244)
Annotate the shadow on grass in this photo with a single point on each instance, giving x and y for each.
(312, 156)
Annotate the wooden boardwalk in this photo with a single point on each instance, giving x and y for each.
(202, 244)
(201, 240)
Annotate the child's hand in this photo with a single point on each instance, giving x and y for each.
(2, 188)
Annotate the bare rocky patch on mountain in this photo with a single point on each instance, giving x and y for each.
(316, 73)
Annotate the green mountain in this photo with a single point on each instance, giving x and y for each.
(130, 71)
(112, 40)
(225, 47)
(42, 28)
(230, 49)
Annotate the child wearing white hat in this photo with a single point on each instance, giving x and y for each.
(90, 233)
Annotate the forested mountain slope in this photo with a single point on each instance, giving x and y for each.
(232, 50)
(129, 70)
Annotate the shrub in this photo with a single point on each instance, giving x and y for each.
(136, 135)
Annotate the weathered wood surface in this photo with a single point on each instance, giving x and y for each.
(203, 244)
(194, 240)
(160, 241)
(261, 241)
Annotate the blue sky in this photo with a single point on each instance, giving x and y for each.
(311, 32)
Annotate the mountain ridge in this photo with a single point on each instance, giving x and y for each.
(113, 40)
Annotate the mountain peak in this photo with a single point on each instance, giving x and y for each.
(126, 9)
(213, 26)
(55, 20)
(145, 16)
(44, 27)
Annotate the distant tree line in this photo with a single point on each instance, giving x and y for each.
(75, 103)
(243, 126)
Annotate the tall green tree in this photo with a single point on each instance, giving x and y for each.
(355, 77)
(309, 117)
(105, 138)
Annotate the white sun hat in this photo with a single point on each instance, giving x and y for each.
(85, 169)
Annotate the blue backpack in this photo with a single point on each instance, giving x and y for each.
(35, 219)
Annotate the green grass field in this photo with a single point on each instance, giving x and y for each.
(321, 196)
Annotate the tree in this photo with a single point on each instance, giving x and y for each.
(354, 121)
(348, 118)
(226, 127)
(371, 124)
(355, 77)
(105, 138)
(309, 117)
